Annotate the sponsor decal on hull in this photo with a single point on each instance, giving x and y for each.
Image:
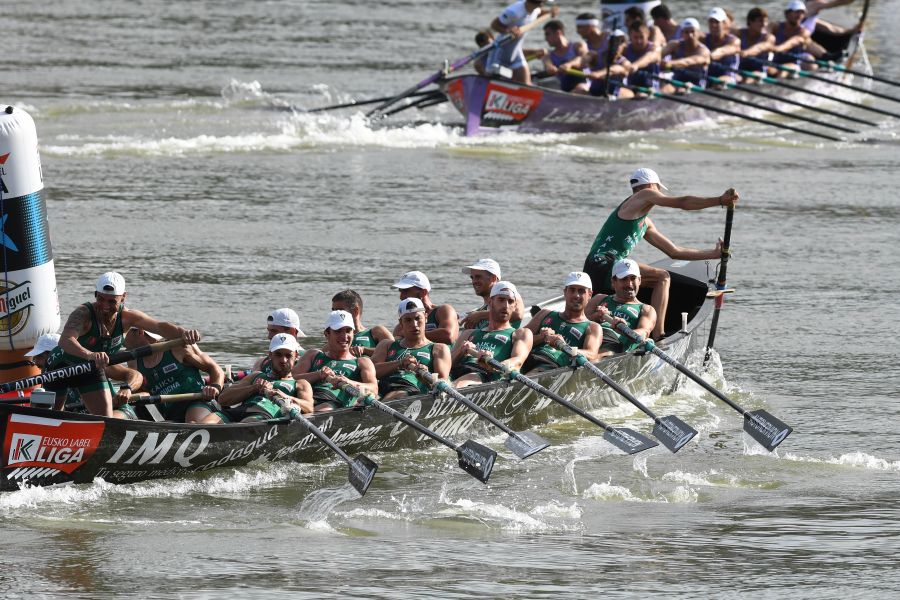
(508, 105)
(37, 447)
(457, 95)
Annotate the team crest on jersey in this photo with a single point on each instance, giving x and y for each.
(547, 321)
(170, 367)
(576, 333)
(116, 341)
(422, 355)
(503, 339)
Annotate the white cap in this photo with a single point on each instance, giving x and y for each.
(284, 317)
(625, 267)
(504, 288)
(484, 264)
(617, 33)
(283, 340)
(409, 306)
(796, 5)
(718, 14)
(111, 283)
(644, 176)
(413, 279)
(45, 343)
(338, 319)
(690, 23)
(578, 278)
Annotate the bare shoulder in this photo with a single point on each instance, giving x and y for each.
(78, 322)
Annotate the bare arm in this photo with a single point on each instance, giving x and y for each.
(729, 49)
(440, 361)
(590, 348)
(170, 331)
(449, 330)
(535, 325)
(522, 342)
(647, 321)
(459, 349)
(383, 368)
(765, 44)
(240, 391)
(699, 58)
(656, 239)
(649, 58)
(197, 358)
(78, 323)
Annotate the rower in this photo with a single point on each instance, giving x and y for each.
(622, 307)
(756, 43)
(634, 15)
(251, 399)
(563, 51)
(66, 398)
(662, 18)
(569, 325)
(484, 37)
(630, 221)
(484, 273)
(442, 323)
(178, 370)
(365, 339)
(95, 330)
(510, 21)
(599, 60)
(643, 57)
(499, 340)
(327, 369)
(724, 47)
(282, 320)
(687, 58)
(396, 361)
(814, 24)
(792, 40)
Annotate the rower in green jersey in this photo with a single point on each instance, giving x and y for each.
(95, 330)
(327, 369)
(282, 320)
(67, 398)
(251, 399)
(365, 339)
(442, 322)
(569, 325)
(397, 360)
(484, 273)
(177, 371)
(623, 307)
(630, 222)
(499, 340)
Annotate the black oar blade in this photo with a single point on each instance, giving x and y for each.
(476, 460)
(526, 443)
(766, 429)
(627, 440)
(673, 433)
(361, 473)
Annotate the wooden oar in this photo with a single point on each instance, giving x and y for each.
(754, 90)
(522, 443)
(702, 90)
(456, 65)
(474, 459)
(87, 368)
(353, 103)
(141, 399)
(810, 75)
(362, 468)
(836, 67)
(720, 284)
(670, 430)
(627, 440)
(762, 426)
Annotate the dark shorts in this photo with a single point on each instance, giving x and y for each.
(600, 274)
(785, 58)
(598, 87)
(177, 411)
(324, 398)
(386, 386)
(694, 76)
(466, 369)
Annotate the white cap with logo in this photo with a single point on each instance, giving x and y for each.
(111, 283)
(625, 267)
(644, 176)
(283, 340)
(578, 278)
(718, 14)
(413, 279)
(484, 264)
(795, 5)
(504, 289)
(338, 319)
(690, 23)
(410, 306)
(285, 317)
(45, 343)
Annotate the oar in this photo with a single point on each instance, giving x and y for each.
(627, 440)
(754, 90)
(797, 88)
(701, 90)
(141, 399)
(809, 75)
(86, 368)
(456, 65)
(831, 65)
(720, 283)
(353, 103)
(762, 426)
(670, 430)
(362, 468)
(423, 102)
(522, 443)
(474, 459)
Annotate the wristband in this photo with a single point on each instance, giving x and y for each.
(125, 386)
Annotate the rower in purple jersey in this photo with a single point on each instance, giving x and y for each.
(688, 57)
(563, 51)
(792, 40)
(643, 57)
(756, 42)
(724, 47)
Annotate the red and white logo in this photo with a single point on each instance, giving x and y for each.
(457, 95)
(506, 105)
(50, 443)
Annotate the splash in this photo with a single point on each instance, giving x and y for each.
(608, 491)
(854, 459)
(315, 508)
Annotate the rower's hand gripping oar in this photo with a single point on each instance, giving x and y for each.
(522, 443)
(670, 430)
(721, 281)
(627, 440)
(474, 459)
(362, 468)
(762, 426)
(141, 399)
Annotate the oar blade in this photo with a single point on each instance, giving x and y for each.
(476, 460)
(766, 429)
(525, 443)
(628, 440)
(673, 433)
(362, 471)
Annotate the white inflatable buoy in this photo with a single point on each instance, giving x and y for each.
(29, 305)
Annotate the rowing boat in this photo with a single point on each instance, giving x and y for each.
(44, 447)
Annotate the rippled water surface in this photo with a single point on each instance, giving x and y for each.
(169, 155)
